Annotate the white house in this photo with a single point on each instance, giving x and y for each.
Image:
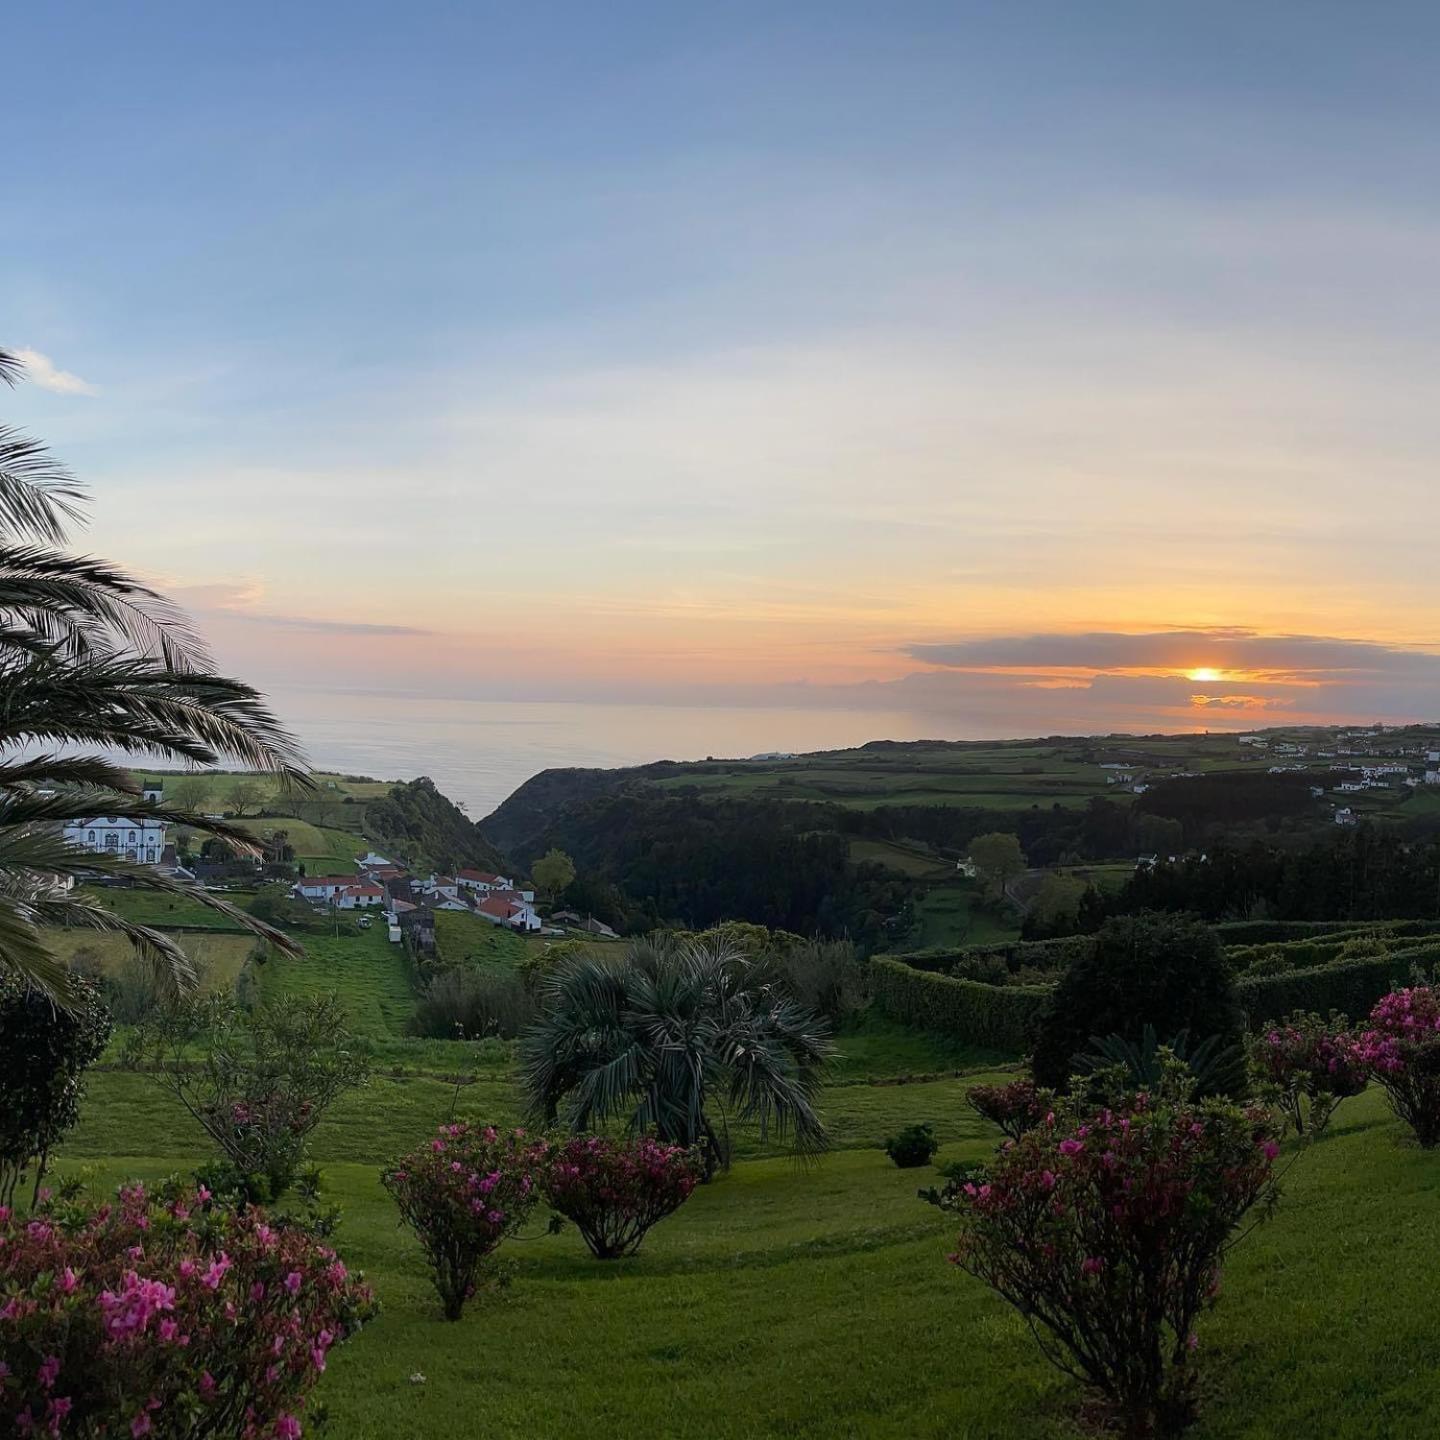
(142, 841)
(1345, 816)
(482, 880)
(359, 897)
(509, 910)
(321, 887)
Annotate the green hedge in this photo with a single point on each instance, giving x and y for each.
(1003, 1017)
(1349, 985)
(1041, 954)
(1272, 932)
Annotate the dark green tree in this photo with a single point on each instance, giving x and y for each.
(1164, 971)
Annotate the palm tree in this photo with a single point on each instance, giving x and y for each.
(96, 663)
(668, 1033)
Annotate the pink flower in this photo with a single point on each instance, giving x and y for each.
(292, 1282)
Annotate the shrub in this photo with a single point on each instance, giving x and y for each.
(1000, 1017)
(46, 1050)
(1401, 1048)
(912, 1147)
(1166, 971)
(1107, 1229)
(167, 1317)
(258, 1082)
(471, 1004)
(616, 1191)
(1306, 1066)
(462, 1193)
(825, 976)
(1015, 1108)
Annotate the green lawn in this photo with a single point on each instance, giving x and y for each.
(467, 940)
(218, 958)
(816, 1302)
(370, 976)
(154, 907)
(950, 915)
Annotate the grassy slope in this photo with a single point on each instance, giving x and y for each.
(818, 1302)
(366, 971)
(218, 958)
(467, 940)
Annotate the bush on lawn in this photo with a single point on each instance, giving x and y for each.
(912, 1147)
(1166, 971)
(1306, 1066)
(462, 1193)
(1400, 1047)
(258, 1081)
(166, 1316)
(1015, 1108)
(44, 1051)
(614, 1191)
(462, 1004)
(1107, 1230)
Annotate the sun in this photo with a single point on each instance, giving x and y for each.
(1205, 673)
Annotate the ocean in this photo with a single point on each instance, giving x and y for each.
(479, 751)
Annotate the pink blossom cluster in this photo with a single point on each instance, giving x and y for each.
(1111, 1225)
(462, 1193)
(1403, 1025)
(1015, 1108)
(1307, 1065)
(165, 1316)
(615, 1190)
(1401, 1048)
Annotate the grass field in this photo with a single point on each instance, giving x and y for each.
(218, 958)
(817, 1302)
(470, 941)
(153, 907)
(368, 974)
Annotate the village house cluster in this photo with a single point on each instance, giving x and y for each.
(409, 902)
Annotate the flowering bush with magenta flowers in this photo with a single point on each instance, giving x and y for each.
(1107, 1228)
(165, 1316)
(463, 1192)
(1015, 1108)
(615, 1190)
(1400, 1047)
(1307, 1065)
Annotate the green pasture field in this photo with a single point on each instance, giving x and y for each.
(816, 1301)
(369, 975)
(218, 958)
(155, 907)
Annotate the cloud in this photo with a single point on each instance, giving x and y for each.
(1281, 658)
(237, 600)
(330, 627)
(43, 371)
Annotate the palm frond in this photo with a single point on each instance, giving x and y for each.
(38, 495)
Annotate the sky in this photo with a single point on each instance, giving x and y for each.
(1031, 366)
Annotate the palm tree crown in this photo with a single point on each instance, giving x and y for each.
(668, 1033)
(94, 662)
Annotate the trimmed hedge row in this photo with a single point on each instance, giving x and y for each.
(1272, 932)
(1041, 954)
(1349, 985)
(1002, 1017)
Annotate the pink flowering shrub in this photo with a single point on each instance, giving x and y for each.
(462, 1193)
(1015, 1108)
(1106, 1229)
(1401, 1048)
(166, 1317)
(1306, 1065)
(615, 1191)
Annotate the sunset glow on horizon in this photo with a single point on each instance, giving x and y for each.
(919, 368)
